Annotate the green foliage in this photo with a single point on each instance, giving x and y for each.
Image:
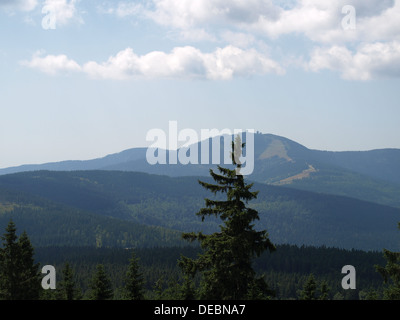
(54, 224)
(226, 264)
(314, 291)
(100, 285)
(138, 210)
(391, 274)
(67, 288)
(285, 271)
(134, 280)
(19, 274)
(309, 289)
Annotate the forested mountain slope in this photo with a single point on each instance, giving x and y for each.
(113, 198)
(367, 175)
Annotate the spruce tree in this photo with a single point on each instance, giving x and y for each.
(8, 263)
(19, 275)
(100, 285)
(67, 286)
(309, 289)
(226, 263)
(29, 270)
(134, 282)
(391, 274)
(324, 291)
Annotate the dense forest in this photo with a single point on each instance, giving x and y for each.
(286, 270)
(107, 238)
(122, 209)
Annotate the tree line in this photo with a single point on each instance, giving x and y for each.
(224, 269)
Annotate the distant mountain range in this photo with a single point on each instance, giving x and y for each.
(367, 175)
(132, 209)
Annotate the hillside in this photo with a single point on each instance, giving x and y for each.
(101, 197)
(49, 223)
(366, 175)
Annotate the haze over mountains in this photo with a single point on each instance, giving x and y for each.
(367, 175)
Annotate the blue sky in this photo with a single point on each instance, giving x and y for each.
(102, 74)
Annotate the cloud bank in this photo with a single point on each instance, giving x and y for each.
(182, 62)
(365, 52)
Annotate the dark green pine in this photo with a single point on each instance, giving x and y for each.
(67, 285)
(100, 285)
(19, 275)
(226, 264)
(134, 282)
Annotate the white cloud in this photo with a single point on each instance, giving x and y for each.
(52, 64)
(63, 11)
(382, 27)
(196, 20)
(371, 60)
(182, 62)
(239, 25)
(231, 61)
(246, 22)
(188, 13)
(318, 20)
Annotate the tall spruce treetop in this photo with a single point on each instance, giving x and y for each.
(67, 287)
(19, 274)
(134, 286)
(226, 264)
(28, 269)
(100, 285)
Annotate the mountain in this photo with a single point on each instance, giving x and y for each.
(117, 205)
(367, 175)
(70, 165)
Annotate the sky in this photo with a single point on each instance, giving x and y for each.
(80, 79)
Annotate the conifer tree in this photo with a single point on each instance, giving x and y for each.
(309, 289)
(8, 263)
(100, 285)
(28, 269)
(19, 275)
(391, 274)
(134, 282)
(226, 264)
(324, 291)
(67, 286)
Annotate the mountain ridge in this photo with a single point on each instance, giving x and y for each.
(366, 175)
